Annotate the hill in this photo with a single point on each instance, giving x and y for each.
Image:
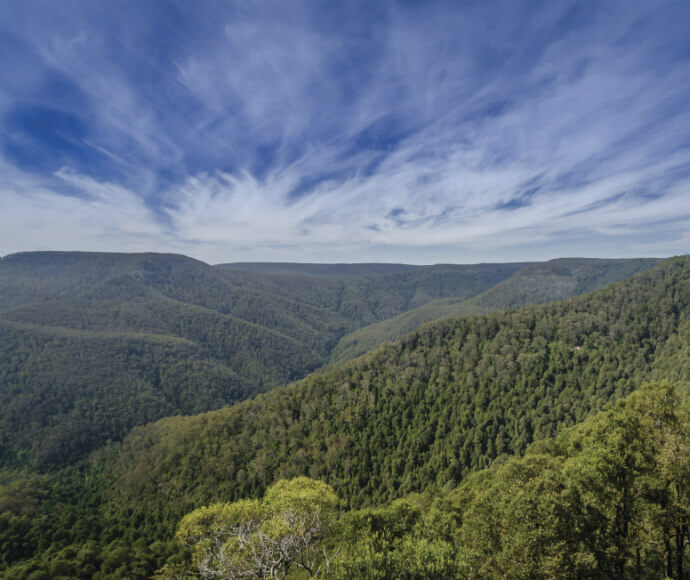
(533, 284)
(94, 344)
(424, 412)
(606, 498)
(449, 398)
(334, 270)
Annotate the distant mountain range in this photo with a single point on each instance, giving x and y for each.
(336, 270)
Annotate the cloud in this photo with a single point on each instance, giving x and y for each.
(394, 132)
(103, 216)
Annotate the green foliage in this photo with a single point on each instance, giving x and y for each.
(411, 538)
(608, 498)
(533, 284)
(424, 413)
(446, 400)
(287, 530)
(598, 501)
(94, 344)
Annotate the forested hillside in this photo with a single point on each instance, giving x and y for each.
(331, 270)
(446, 399)
(93, 344)
(608, 498)
(423, 413)
(533, 284)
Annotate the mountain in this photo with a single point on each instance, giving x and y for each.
(533, 284)
(448, 398)
(422, 413)
(94, 344)
(102, 342)
(334, 270)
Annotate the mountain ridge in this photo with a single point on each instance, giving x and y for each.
(580, 333)
(516, 291)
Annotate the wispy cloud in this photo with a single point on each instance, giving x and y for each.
(371, 132)
(94, 215)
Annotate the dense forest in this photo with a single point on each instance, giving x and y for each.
(95, 344)
(608, 498)
(533, 284)
(419, 416)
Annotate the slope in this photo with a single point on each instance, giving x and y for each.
(451, 398)
(607, 498)
(533, 284)
(367, 293)
(93, 344)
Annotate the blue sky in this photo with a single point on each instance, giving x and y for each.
(415, 132)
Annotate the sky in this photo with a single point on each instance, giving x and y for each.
(417, 132)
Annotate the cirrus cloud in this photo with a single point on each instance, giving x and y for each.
(422, 133)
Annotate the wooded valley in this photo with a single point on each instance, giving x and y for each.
(421, 443)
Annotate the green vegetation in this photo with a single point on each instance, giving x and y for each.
(609, 498)
(94, 344)
(533, 284)
(450, 398)
(287, 530)
(331, 270)
(417, 416)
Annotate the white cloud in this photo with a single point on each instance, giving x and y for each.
(102, 217)
(475, 106)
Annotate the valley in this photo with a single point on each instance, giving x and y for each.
(418, 415)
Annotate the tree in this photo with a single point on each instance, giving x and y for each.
(412, 537)
(608, 498)
(265, 539)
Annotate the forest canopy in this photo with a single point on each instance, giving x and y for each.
(608, 498)
(405, 428)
